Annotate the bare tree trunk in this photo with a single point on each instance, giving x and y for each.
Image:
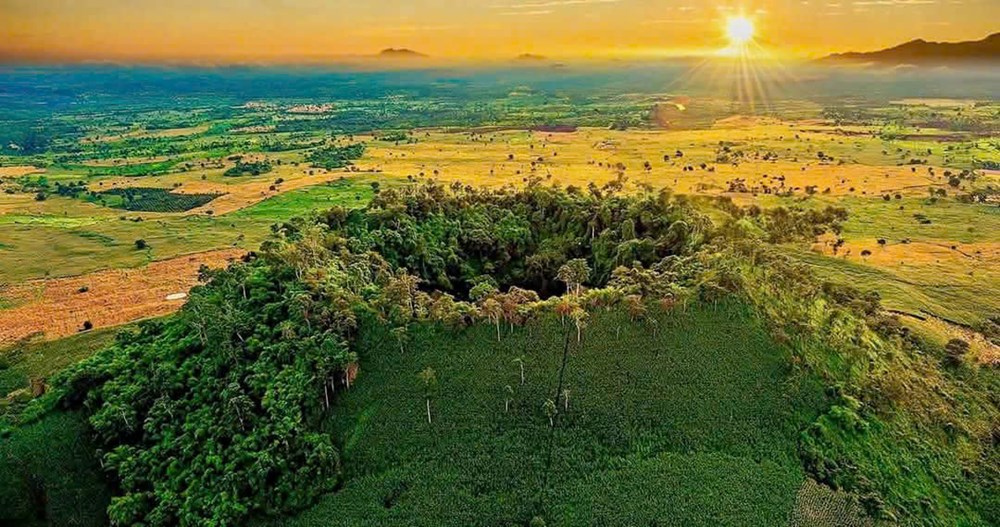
(428, 411)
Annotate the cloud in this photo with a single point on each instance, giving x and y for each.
(394, 30)
(554, 3)
(671, 21)
(894, 2)
(527, 13)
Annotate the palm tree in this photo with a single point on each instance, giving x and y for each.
(429, 377)
(580, 319)
(494, 312)
(520, 362)
(564, 308)
(550, 410)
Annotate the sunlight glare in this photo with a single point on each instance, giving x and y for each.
(740, 30)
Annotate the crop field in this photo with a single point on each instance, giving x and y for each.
(61, 307)
(61, 478)
(687, 424)
(140, 199)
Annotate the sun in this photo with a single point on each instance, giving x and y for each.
(740, 30)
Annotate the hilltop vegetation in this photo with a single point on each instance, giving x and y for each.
(367, 352)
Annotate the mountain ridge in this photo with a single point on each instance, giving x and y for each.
(921, 52)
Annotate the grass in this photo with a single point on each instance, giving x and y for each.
(126, 170)
(42, 359)
(951, 221)
(696, 425)
(67, 246)
(918, 290)
(347, 192)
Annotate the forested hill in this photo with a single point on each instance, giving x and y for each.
(352, 338)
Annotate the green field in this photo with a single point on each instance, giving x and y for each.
(696, 425)
(49, 475)
(54, 245)
(40, 360)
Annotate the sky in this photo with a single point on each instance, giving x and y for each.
(305, 30)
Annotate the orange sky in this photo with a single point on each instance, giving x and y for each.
(290, 30)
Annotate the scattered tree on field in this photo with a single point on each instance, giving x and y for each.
(551, 410)
(520, 362)
(429, 378)
(579, 316)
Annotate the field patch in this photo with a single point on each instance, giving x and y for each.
(146, 199)
(148, 134)
(61, 307)
(19, 170)
(769, 158)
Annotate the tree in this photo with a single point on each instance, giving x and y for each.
(520, 362)
(551, 410)
(564, 308)
(955, 351)
(579, 316)
(482, 290)
(636, 307)
(445, 310)
(574, 273)
(493, 311)
(429, 378)
(401, 336)
(141, 245)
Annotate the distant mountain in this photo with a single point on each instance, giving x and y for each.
(530, 57)
(400, 53)
(921, 52)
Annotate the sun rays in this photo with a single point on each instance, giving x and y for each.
(743, 70)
